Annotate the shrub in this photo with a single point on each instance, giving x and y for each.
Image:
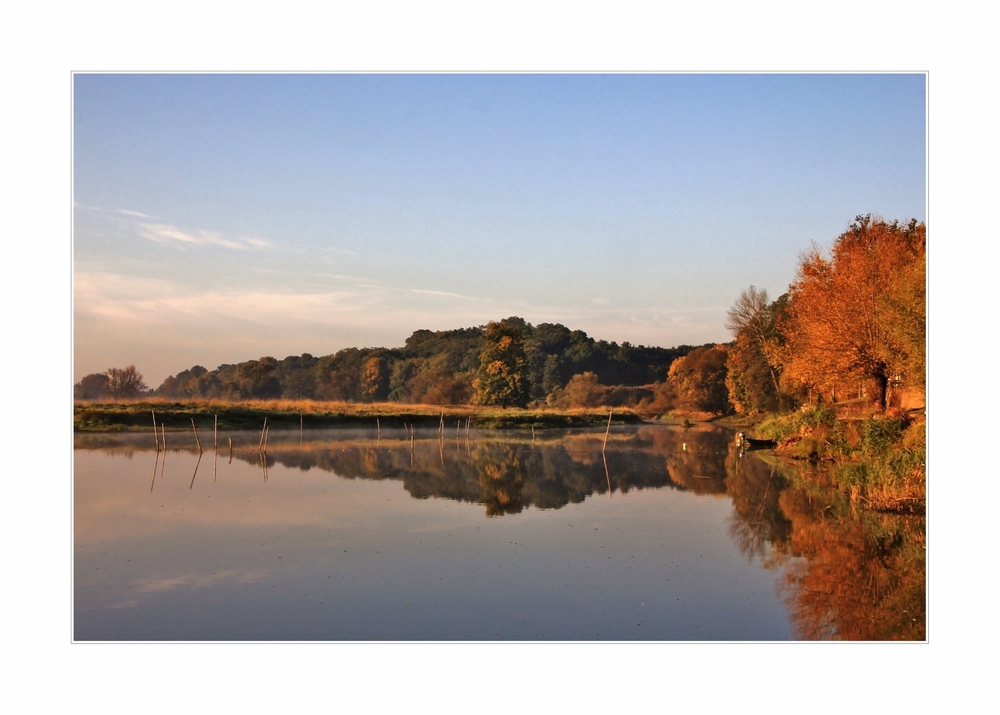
(880, 434)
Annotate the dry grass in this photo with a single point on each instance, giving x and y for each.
(104, 416)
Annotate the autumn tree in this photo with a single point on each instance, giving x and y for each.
(125, 383)
(754, 366)
(841, 322)
(502, 379)
(699, 379)
(374, 378)
(581, 391)
(906, 312)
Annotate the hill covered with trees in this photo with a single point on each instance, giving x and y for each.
(548, 363)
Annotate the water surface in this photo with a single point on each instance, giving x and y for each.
(665, 535)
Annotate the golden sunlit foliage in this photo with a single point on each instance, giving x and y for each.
(858, 314)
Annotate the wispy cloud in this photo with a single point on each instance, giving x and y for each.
(168, 234)
(148, 227)
(137, 214)
(441, 294)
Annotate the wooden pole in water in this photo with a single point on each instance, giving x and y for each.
(156, 437)
(378, 427)
(608, 431)
(300, 429)
(163, 435)
(216, 434)
(230, 450)
(196, 436)
(264, 429)
(267, 431)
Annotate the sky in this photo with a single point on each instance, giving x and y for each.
(219, 218)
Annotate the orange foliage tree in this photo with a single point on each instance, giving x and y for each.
(699, 379)
(840, 324)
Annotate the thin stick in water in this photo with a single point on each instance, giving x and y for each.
(608, 431)
(230, 450)
(155, 465)
(196, 435)
(155, 436)
(264, 429)
(217, 433)
(195, 471)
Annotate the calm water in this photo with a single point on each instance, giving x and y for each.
(350, 535)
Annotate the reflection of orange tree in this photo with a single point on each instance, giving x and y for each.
(757, 521)
(862, 576)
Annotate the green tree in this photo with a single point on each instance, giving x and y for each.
(258, 379)
(502, 379)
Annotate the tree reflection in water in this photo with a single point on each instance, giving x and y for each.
(843, 574)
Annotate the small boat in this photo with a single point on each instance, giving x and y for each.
(749, 443)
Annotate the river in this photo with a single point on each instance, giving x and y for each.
(662, 534)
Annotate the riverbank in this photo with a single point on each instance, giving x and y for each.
(879, 461)
(175, 415)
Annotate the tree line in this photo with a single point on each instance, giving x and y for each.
(507, 363)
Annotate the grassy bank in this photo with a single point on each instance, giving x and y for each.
(290, 414)
(880, 460)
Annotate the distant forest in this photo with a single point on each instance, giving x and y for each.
(440, 368)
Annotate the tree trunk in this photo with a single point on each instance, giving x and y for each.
(882, 380)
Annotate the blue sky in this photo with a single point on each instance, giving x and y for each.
(219, 218)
